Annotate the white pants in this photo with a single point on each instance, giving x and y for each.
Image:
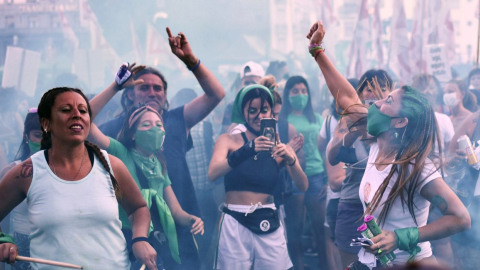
(241, 249)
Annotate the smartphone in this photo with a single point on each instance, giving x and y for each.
(268, 128)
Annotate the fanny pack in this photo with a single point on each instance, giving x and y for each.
(261, 221)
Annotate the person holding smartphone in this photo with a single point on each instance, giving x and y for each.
(250, 235)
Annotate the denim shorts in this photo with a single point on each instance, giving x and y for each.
(316, 183)
(23, 244)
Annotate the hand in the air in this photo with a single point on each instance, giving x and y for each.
(181, 48)
(316, 33)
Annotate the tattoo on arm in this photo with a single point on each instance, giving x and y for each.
(26, 171)
(440, 203)
(270, 199)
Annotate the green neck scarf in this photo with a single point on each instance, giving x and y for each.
(237, 110)
(152, 169)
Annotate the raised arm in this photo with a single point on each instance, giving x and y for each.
(136, 208)
(199, 108)
(340, 88)
(466, 128)
(97, 137)
(123, 79)
(219, 163)
(342, 138)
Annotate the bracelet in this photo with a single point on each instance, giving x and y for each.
(195, 67)
(139, 239)
(317, 53)
(6, 238)
(314, 45)
(293, 163)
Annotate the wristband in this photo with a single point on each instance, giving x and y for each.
(293, 163)
(139, 239)
(123, 74)
(195, 67)
(407, 240)
(6, 238)
(241, 154)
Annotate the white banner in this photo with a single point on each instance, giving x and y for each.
(437, 62)
(21, 70)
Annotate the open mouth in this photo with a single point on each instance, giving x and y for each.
(76, 127)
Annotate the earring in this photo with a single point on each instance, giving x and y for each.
(396, 135)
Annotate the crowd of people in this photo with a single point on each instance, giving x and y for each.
(167, 185)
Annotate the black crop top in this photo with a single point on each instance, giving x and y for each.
(260, 175)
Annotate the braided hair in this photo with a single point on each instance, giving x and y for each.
(45, 112)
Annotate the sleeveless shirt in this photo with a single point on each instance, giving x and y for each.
(75, 221)
(258, 175)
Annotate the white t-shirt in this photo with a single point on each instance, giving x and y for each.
(398, 217)
(445, 128)
(333, 125)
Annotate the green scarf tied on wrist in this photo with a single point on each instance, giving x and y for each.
(152, 169)
(407, 240)
(6, 238)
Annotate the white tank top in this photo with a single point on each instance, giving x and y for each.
(75, 221)
(19, 214)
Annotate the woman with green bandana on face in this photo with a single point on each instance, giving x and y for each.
(32, 135)
(401, 179)
(139, 146)
(297, 109)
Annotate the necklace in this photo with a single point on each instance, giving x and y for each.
(79, 169)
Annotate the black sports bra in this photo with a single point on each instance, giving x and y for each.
(257, 175)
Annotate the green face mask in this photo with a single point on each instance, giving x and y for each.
(298, 102)
(150, 140)
(377, 122)
(34, 146)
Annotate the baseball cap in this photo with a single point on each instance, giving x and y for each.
(252, 69)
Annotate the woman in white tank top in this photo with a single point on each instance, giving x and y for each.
(72, 197)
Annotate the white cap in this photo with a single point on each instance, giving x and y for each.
(252, 69)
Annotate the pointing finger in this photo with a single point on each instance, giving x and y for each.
(169, 33)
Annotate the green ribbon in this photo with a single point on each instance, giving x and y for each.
(166, 219)
(407, 240)
(6, 238)
(237, 110)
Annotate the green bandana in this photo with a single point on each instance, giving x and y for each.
(237, 110)
(407, 240)
(34, 146)
(298, 102)
(152, 169)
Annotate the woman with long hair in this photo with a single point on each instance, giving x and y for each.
(297, 109)
(139, 146)
(347, 146)
(400, 179)
(32, 135)
(250, 235)
(72, 194)
(460, 101)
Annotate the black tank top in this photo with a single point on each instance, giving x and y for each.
(260, 175)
